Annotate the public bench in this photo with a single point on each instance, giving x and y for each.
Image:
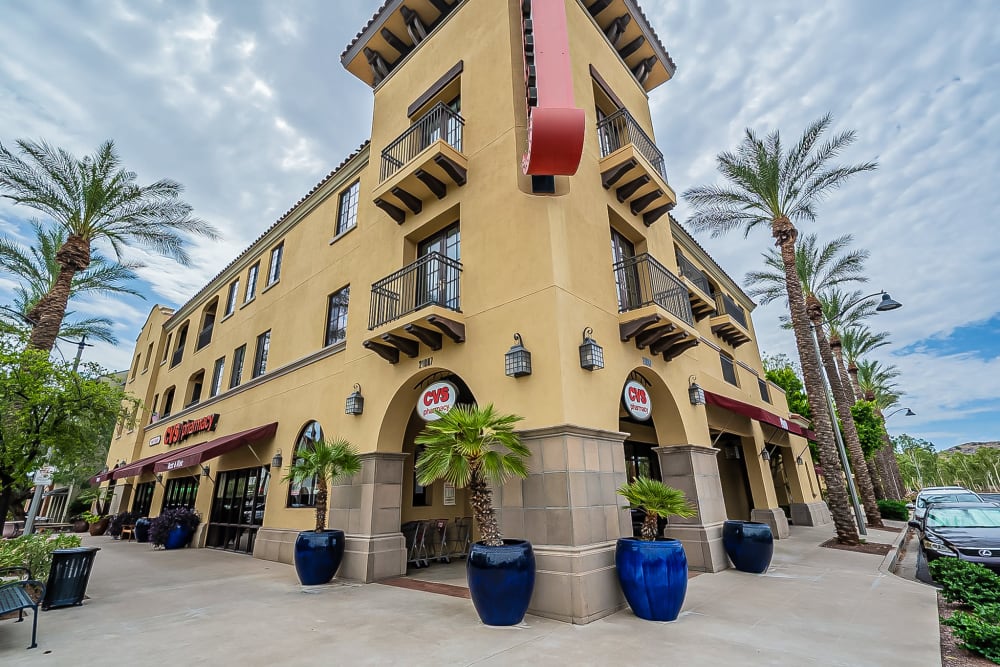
(16, 596)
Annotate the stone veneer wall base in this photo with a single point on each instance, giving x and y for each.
(773, 517)
(811, 514)
(576, 584)
(366, 558)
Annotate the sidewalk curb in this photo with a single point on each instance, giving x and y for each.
(889, 560)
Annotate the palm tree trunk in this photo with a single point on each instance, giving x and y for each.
(838, 353)
(785, 234)
(321, 498)
(482, 509)
(875, 476)
(852, 371)
(855, 453)
(649, 526)
(889, 460)
(48, 313)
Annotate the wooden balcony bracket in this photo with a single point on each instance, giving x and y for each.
(431, 339)
(627, 330)
(407, 346)
(390, 354)
(450, 328)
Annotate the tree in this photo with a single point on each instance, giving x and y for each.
(473, 447)
(821, 268)
(774, 188)
(918, 461)
(326, 461)
(857, 341)
(37, 270)
(657, 501)
(46, 407)
(92, 200)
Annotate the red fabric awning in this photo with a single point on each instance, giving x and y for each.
(139, 467)
(195, 454)
(760, 414)
(101, 477)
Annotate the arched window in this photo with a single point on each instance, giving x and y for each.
(304, 494)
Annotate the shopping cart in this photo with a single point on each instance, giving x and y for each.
(415, 534)
(459, 537)
(437, 537)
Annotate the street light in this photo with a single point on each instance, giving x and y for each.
(909, 413)
(887, 304)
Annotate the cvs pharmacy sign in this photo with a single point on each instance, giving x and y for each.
(438, 397)
(185, 430)
(637, 401)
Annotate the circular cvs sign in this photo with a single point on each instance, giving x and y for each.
(637, 400)
(438, 397)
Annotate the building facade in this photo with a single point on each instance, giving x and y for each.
(403, 277)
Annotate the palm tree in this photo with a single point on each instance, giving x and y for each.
(877, 383)
(857, 341)
(821, 268)
(773, 188)
(326, 461)
(843, 311)
(36, 270)
(92, 200)
(657, 500)
(473, 447)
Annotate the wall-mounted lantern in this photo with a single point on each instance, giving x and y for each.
(517, 361)
(355, 402)
(591, 354)
(695, 393)
(276, 460)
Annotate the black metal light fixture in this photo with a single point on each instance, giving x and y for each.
(591, 354)
(206, 472)
(159, 478)
(517, 361)
(355, 402)
(695, 393)
(887, 303)
(764, 454)
(276, 460)
(798, 458)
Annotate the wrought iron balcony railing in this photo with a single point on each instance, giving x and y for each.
(643, 281)
(441, 122)
(432, 280)
(692, 273)
(726, 306)
(620, 129)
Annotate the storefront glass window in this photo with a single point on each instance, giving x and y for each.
(304, 494)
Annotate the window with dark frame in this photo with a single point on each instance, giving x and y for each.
(166, 349)
(336, 316)
(149, 355)
(217, 370)
(765, 391)
(260, 355)
(181, 341)
(234, 290)
(421, 494)
(239, 354)
(135, 366)
(728, 369)
(347, 213)
(274, 268)
(251, 283)
(304, 493)
(168, 401)
(180, 492)
(195, 383)
(143, 499)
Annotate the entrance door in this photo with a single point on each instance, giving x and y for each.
(238, 509)
(180, 492)
(438, 279)
(641, 461)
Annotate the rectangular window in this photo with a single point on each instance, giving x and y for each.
(336, 316)
(765, 391)
(154, 416)
(149, 355)
(234, 289)
(180, 492)
(728, 369)
(237, 375)
(347, 215)
(181, 341)
(260, 356)
(168, 402)
(220, 364)
(135, 367)
(143, 498)
(274, 270)
(166, 349)
(252, 283)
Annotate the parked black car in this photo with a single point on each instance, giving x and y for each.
(968, 531)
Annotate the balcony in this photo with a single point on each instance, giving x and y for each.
(654, 306)
(421, 163)
(633, 165)
(699, 291)
(730, 321)
(204, 338)
(403, 304)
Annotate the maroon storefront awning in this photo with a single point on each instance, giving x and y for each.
(195, 454)
(760, 414)
(139, 467)
(101, 477)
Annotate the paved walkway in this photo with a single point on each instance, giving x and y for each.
(814, 607)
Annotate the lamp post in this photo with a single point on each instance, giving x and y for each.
(909, 413)
(887, 304)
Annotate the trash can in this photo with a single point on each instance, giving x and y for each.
(68, 577)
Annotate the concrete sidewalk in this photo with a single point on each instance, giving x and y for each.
(814, 607)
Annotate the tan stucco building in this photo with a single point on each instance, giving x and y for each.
(416, 261)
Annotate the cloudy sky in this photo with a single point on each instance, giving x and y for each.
(247, 105)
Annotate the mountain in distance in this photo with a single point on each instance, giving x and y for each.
(972, 447)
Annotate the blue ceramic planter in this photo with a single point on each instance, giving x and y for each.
(501, 580)
(142, 530)
(749, 545)
(653, 575)
(318, 556)
(178, 537)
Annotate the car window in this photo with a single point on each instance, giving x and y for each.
(988, 517)
(953, 498)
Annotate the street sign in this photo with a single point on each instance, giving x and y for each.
(44, 475)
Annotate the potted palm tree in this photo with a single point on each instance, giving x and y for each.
(319, 552)
(653, 570)
(472, 447)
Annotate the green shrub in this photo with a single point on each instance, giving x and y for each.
(893, 509)
(965, 582)
(977, 634)
(35, 551)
